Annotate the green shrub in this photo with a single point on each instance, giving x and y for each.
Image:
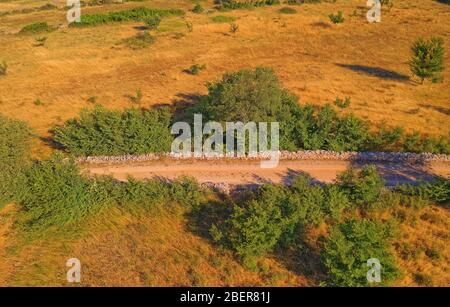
(140, 41)
(249, 4)
(198, 9)
(195, 69)
(15, 141)
(414, 142)
(3, 68)
(57, 194)
(287, 10)
(337, 18)
(342, 103)
(223, 19)
(363, 187)
(335, 202)
(233, 27)
(136, 14)
(297, 2)
(38, 27)
(254, 230)
(428, 58)
(386, 139)
(40, 41)
(137, 98)
(153, 22)
(437, 191)
(104, 132)
(350, 245)
(309, 200)
(189, 26)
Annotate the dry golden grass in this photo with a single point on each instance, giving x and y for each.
(311, 56)
(121, 249)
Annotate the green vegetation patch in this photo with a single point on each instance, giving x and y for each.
(104, 132)
(287, 10)
(349, 247)
(38, 27)
(223, 19)
(139, 41)
(136, 14)
(248, 4)
(15, 142)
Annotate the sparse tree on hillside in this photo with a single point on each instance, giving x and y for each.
(428, 58)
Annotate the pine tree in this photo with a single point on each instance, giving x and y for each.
(428, 58)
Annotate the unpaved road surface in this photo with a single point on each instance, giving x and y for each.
(250, 172)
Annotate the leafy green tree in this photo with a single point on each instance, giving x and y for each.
(351, 244)
(255, 230)
(428, 58)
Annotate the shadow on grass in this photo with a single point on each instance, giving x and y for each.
(375, 71)
(443, 110)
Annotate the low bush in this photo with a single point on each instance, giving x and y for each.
(198, 9)
(104, 132)
(437, 191)
(189, 26)
(363, 187)
(35, 28)
(297, 2)
(139, 41)
(40, 41)
(351, 244)
(56, 194)
(195, 69)
(287, 10)
(337, 18)
(15, 142)
(136, 14)
(236, 4)
(415, 142)
(233, 27)
(152, 22)
(223, 19)
(342, 103)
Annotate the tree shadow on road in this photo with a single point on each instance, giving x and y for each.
(400, 172)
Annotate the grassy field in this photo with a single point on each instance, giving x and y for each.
(315, 59)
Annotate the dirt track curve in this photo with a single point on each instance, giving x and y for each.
(250, 172)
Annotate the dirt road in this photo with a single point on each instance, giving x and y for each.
(245, 172)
